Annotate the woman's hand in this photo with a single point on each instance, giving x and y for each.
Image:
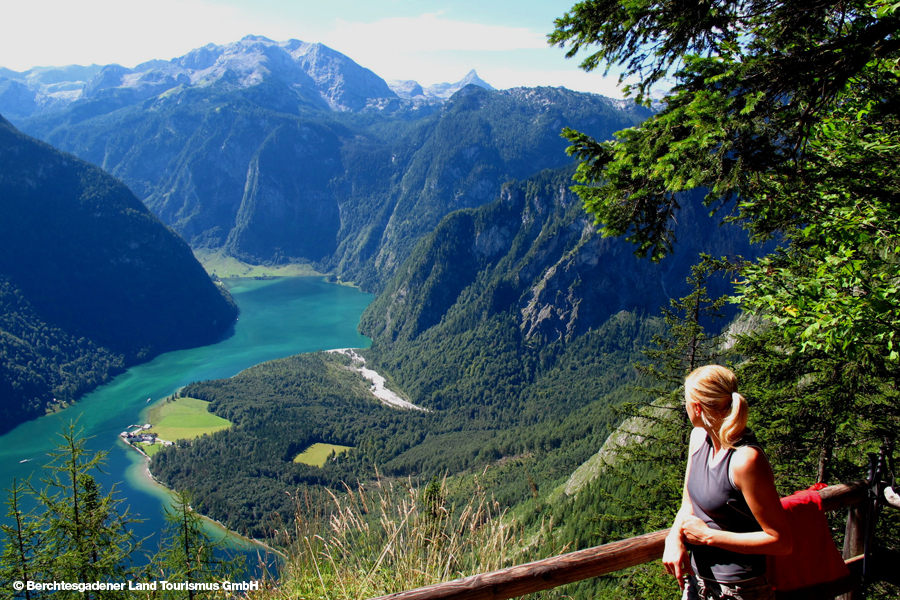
(696, 531)
(676, 558)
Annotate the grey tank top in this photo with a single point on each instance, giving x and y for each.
(722, 506)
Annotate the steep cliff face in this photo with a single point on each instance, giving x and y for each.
(286, 211)
(92, 273)
(535, 254)
(586, 278)
(458, 159)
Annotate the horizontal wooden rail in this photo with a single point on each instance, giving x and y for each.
(582, 564)
(547, 573)
(843, 495)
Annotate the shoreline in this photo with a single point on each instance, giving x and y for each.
(102, 412)
(149, 481)
(149, 478)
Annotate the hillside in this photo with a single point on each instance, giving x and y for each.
(290, 152)
(90, 280)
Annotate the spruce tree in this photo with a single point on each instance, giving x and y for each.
(189, 555)
(76, 533)
(22, 558)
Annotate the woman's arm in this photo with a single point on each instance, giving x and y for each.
(753, 476)
(675, 556)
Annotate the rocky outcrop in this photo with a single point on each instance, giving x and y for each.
(536, 253)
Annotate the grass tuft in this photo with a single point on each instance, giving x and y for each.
(389, 537)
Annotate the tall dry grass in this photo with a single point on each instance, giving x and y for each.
(390, 537)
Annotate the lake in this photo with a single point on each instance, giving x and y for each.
(279, 317)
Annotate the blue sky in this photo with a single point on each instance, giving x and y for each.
(429, 41)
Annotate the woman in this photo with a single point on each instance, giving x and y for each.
(730, 515)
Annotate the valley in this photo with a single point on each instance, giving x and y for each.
(279, 318)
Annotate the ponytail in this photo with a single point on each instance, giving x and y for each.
(733, 425)
(724, 410)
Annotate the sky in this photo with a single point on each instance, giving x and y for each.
(430, 41)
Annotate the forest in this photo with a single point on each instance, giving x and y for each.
(86, 273)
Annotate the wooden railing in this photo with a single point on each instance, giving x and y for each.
(593, 562)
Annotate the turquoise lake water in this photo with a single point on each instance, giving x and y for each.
(279, 317)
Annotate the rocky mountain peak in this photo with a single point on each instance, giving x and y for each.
(407, 88)
(473, 78)
(318, 75)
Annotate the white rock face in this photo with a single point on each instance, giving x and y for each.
(317, 74)
(42, 89)
(406, 88)
(445, 90)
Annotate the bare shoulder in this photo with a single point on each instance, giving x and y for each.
(750, 465)
(698, 437)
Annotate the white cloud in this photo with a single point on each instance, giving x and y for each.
(61, 32)
(431, 33)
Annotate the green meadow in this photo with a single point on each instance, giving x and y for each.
(227, 266)
(317, 454)
(183, 419)
(149, 449)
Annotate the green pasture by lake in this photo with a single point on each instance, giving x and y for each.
(184, 419)
(150, 449)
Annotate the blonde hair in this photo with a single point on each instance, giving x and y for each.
(724, 410)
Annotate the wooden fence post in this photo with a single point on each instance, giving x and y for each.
(860, 530)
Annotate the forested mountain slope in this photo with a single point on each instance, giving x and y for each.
(510, 323)
(90, 280)
(250, 155)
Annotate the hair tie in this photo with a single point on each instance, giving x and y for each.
(735, 397)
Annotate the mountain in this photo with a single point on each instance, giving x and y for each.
(411, 89)
(251, 171)
(514, 323)
(42, 89)
(313, 74)
(90, 281)
(445, 90)
(406, 88)
(310, 75)
(279, 408)
(535, 256)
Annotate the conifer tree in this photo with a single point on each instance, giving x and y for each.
(76, 533)
(21, 558)
(189, 555)
(786, 112)
(84, 528)
(656, 430)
